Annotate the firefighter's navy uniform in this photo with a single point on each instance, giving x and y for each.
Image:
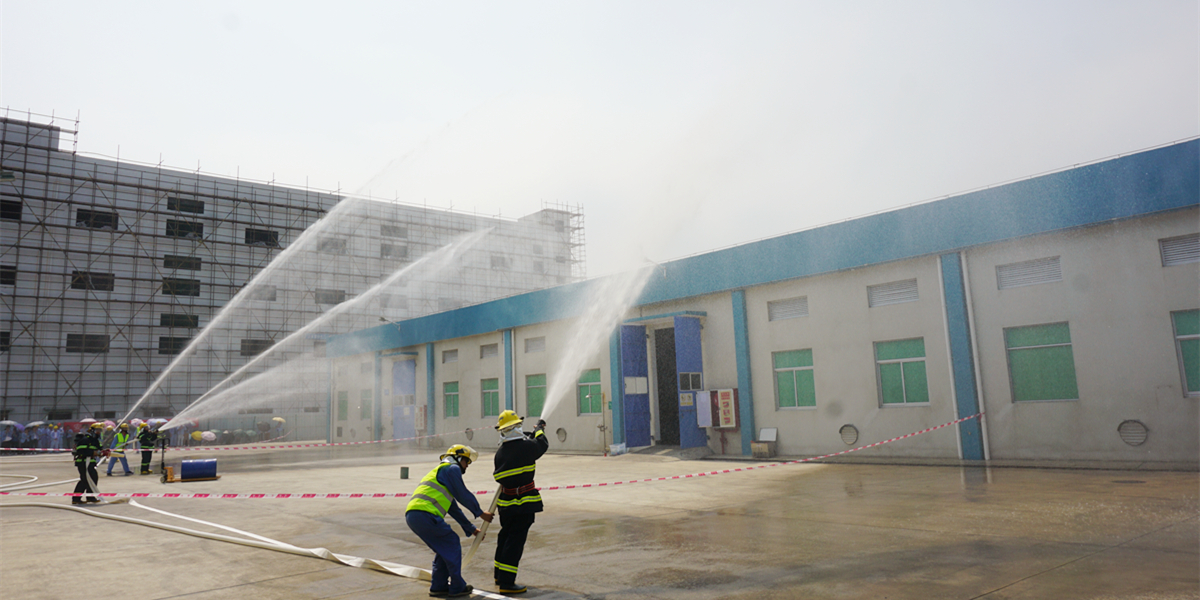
(518, 503)
(146, 439)
(438, 495)
(87, 452)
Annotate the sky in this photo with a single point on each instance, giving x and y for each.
(679, 127)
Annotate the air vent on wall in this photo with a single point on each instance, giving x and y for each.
(1181, 250)
(790, 308)
(1133, 432)
(849, 434)
(1030, 272)
(895, 292)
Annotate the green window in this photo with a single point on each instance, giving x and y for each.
(794, 379)
(535, 394)
(343, 406)
(589, 394)
(1187, 343)
(900, 366)
(450, 398)
(491, 397)
(365, 398)
(1041, 365)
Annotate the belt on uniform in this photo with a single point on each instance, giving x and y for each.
(529, 487)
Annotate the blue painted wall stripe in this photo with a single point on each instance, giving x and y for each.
(1139, 184)
(962, 360)
(510, 385)
(614, 384)
(741, 351)
(430, 391)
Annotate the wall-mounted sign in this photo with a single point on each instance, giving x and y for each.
(725, 415)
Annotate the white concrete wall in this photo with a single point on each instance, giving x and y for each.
(1117, 298)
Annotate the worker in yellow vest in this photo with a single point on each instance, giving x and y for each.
(433, 499)
(118, 449)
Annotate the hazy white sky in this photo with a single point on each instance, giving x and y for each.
(680, 127)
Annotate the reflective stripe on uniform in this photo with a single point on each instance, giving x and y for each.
(511, 472)
(504, 567)
(520, 501)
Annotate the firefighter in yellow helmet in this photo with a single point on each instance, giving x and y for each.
(87, 452)
(433, 499)
(519, 498)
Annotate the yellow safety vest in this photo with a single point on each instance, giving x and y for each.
(119, 442)
(431, 496)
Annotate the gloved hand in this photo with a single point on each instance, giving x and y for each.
(541, 424)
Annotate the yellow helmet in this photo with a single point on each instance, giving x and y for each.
(461, 451)
(96, 426)
(507, 420)
(124, 425)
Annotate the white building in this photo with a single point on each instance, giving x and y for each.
(111, 270)
(1065, 308)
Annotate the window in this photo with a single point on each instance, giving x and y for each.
(365, 398)
(185, 229)
(537, 249)
(343, 406)
(490, 389)
(5, 341)
(539, 267)
(262, 237)
(169, 320)
(892, 293)
(393, 251)
(185, 205)
(1041, 365)
(489, 350)
(366, 368)
(331, 245)
(450, 398)
(255, 347)
(180, 287)
(96, 219)
(588, 392)
(396, 301)
(535, 394)
(85, 280)
(266, 293)
(691, 381)
(1030, 272)
(794, 385)
(10, 210)
(393, 231)
(900, 367)
(450, 356)
(318, 350)
(1180, 250)
(445, 304)
(1187, 345)
(8, 275)
(61, 414)
(191, 263)
(172, 345)
(329, 296)
(537, 344)
(790, 308)
(499, 262)
(91, 343)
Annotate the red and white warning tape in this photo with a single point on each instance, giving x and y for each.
(277, 447)
(483, 492)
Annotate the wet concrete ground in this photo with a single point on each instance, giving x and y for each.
(797, 531)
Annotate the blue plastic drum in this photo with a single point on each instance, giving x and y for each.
(198, 469)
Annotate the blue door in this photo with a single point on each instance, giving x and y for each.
(404, 399)
(689, 367)
(635, 386)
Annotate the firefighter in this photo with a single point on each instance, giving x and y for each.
(147, 438)
(87, 452)
(519, 498)
(433, 499)
(119, 441)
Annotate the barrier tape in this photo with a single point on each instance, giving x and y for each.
(287, 446)
(333, 496)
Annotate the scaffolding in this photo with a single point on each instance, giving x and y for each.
(113, 270)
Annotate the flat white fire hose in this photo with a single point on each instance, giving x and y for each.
(482, 530)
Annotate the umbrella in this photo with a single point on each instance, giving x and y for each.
(7, 423)
(156, 421)
(279, 419)
(35, 424)
(87, 420)
(208, 436)
(135, 422)
(196, 435)
(109, 425)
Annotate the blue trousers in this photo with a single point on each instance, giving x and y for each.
(447, 560)
(112, 461)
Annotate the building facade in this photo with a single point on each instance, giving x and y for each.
(1058, 317)
(127, 284)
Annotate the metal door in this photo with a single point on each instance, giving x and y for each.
(689, 366)
(635, 386)
(404, 398)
